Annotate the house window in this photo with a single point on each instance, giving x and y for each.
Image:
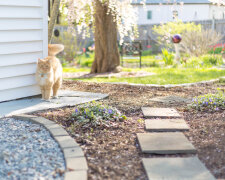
(149, 15)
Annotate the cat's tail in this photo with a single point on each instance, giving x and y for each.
(54, 49)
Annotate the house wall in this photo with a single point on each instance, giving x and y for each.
(164, 13)
(216, 12)
(23, 39)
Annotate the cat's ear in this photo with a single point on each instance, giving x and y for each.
(39, 61)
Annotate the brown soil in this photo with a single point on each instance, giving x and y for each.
(108, 75)
(113, 153)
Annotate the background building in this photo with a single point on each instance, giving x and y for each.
(162, 11)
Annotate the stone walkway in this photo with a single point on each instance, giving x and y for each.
(66, 98)
(166, 138)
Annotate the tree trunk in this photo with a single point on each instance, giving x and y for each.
(54, 15)
(107, 57)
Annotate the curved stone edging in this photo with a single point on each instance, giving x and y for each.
(164, 86)
(76, 164)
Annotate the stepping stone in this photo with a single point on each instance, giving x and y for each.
(171, 99)
(160, 112)
(166, 125)
(189, 168)
(165, 143)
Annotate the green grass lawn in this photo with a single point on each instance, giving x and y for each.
(75, 70)
(162, 76)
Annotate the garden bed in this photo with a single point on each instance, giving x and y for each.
(113, 152)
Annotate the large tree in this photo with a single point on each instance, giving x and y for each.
(107, 18)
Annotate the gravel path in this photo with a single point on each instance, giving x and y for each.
(27, 151)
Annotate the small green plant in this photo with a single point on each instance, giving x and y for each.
(95, 114)
(205, 61)
(216, 50)
(193, 62)
(167, 57)
(209, 102)
(212, 60)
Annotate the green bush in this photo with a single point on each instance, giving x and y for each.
(209, 102)
(95, 114)
(205, 61)
(167, 57)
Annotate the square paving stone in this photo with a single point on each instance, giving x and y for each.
(160, 112)
(76, 175)
(170, 99)
(189, 168)
(165, 143)
(166, 125)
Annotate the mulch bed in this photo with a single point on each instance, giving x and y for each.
(113, 153)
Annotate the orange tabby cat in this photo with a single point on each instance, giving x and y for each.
(49, 72)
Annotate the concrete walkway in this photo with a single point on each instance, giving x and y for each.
(66, 98)
(163, 141)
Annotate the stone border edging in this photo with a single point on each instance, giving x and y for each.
(76, 164)
(164, 86)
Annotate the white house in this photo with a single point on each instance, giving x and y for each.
(162, 11)
(23, 39)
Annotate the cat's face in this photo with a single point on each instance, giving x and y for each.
(43, 65)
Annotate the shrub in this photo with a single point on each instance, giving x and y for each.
(95, 114)
(197, 43)
(167, 57)
(71, 47)
(209, 102)
(166, 31)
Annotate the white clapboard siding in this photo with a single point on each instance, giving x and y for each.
(17, 70)
(17, 59)
(19, 92)
(20, 35)
(14, 82)
(20, 47)
(23, 39)
(31, 3)
(20, 12)
(20, 24)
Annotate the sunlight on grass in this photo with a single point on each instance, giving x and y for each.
(75, 70)
(164, 76)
